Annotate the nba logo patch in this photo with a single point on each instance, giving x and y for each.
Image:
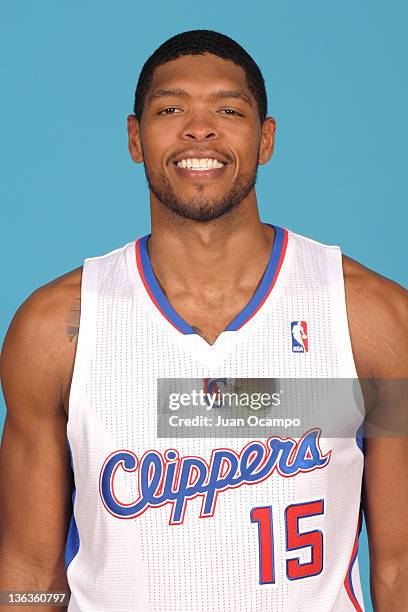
(300, 343)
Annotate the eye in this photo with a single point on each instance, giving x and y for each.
(232, 112)
(170, 110)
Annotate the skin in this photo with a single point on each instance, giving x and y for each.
(39, 350)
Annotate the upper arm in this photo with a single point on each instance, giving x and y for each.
(35, 476)
(378, 315)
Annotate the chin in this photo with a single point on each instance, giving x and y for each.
(201, 212)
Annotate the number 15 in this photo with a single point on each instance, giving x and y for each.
(295, 539)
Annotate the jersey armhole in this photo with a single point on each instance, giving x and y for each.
(342, 335)
(341, 328)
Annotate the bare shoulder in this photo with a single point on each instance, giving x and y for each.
(59, 302)
(46, 311)
(377, 310)
(55, 292)
(41, 340)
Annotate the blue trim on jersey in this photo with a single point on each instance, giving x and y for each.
(265, 283)
(360, 437)
(243, 316)
(350, 580)
(156, 290)
(72, 542)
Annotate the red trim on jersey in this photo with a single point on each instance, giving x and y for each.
(275, 277)
(347, 581)
(146, 285)
(161, 303)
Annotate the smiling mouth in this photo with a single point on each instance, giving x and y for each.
(199, 164)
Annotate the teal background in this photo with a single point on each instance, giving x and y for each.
(336, 79)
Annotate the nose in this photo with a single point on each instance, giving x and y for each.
(199, 129)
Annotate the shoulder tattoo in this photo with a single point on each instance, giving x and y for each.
(72, 319)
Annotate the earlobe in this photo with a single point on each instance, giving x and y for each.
(267, 140)
(134, 143)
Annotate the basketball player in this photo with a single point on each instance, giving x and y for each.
(145, 523)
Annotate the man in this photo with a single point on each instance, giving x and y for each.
(213, 294)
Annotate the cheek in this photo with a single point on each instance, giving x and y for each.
(245, 144)
(152, 134)
(154, 147)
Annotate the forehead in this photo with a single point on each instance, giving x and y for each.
(200, 73)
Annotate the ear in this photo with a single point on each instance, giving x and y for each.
(134, 142)
(267, 140)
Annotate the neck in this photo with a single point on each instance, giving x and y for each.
(189, 256)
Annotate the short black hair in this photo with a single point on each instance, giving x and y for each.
(198, 42)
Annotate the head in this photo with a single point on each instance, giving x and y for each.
(200, 125)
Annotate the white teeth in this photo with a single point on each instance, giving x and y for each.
(192, 163)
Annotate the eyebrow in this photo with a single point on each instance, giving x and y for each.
(233, 93)
(163, 93)
(220, 94)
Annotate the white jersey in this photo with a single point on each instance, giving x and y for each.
(204, 523)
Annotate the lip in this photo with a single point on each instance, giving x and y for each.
(199, 175)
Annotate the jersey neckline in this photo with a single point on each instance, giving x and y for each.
(263, 290)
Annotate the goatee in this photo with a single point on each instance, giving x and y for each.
(201, 208)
